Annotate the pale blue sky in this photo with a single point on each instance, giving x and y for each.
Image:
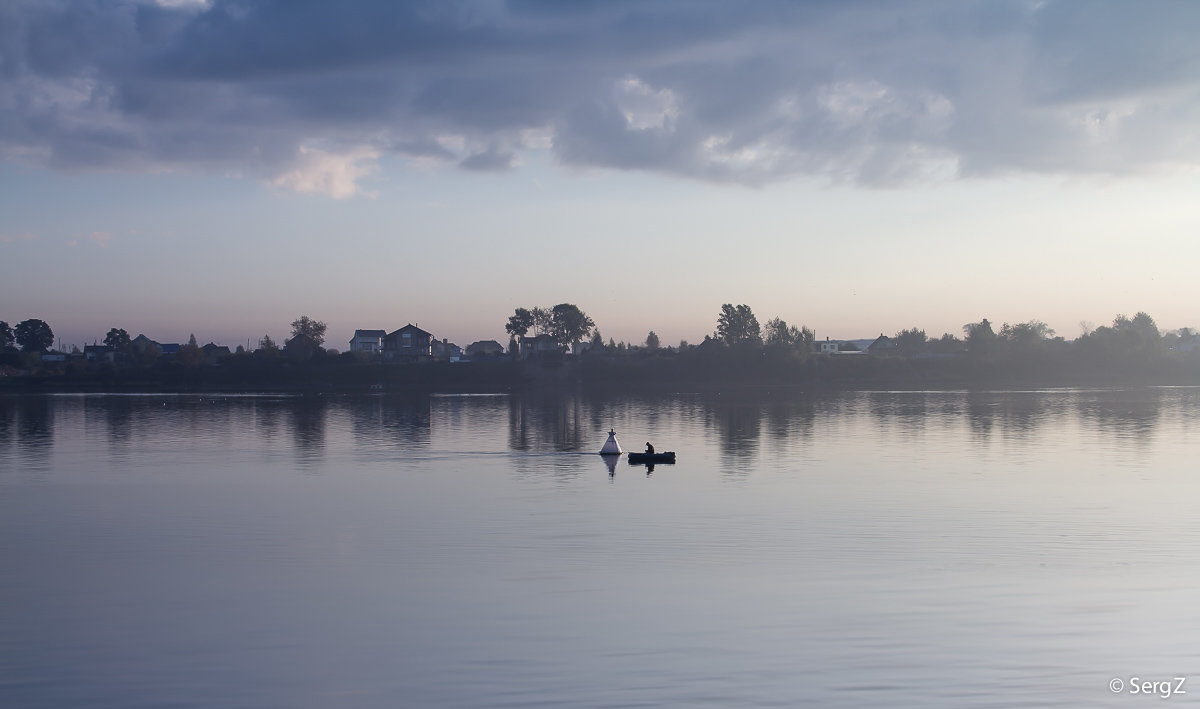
(855, 167)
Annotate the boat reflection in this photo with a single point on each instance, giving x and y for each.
(649, 464)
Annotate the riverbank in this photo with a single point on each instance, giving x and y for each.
(725, 371)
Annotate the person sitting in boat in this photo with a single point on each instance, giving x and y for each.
(649, 448)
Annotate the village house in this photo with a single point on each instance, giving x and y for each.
(141, 343)
(445, 350)
(99, 353)
(485, 348)
(882, 345)
(408, 342)
(368, 341)
(827, 347)
(300, 347)
(538, 345)
(213, 353)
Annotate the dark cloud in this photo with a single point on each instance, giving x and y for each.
(490, 160)
(869, 92)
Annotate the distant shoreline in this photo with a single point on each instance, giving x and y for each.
(664, 374)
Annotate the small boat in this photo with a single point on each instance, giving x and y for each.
(664, 457)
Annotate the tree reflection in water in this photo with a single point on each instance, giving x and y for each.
(732, 426)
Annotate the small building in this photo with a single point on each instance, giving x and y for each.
(882, 345)
(143, 344)
(538, 345)
(368, 341)
(485, 348)
(213, 353)
(409, 341)
(827, 347)
(99, 353)
(301, 347)
(709, 345)
(445, 350)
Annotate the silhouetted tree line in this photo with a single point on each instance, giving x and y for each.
(739, 352)
(565, 322)
(1130, 351)
(32, 336)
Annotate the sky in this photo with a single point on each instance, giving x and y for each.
(221, 167)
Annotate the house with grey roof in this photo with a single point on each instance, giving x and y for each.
(367, 341)
(409, 342)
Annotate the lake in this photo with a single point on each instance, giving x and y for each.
(927, 549)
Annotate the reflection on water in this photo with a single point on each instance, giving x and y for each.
(1124, 416)
(738, 425)
(307, 427)
(915, 549)
(117, 414)
(549, 422)
(789, 420)
(389, 425)
(27, 432)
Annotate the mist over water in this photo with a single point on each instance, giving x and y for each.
(921, 549)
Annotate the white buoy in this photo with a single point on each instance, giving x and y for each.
(611, 447)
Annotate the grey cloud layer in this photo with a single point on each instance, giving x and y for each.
(874, 93)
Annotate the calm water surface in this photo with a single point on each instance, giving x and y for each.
(877, 549)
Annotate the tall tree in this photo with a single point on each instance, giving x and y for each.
(1147, 330)
(910, 342)
(118, 339)
(803, 338)
(268, 345)
(946, 344)
(981, 339)
(738, 325)
(189, 355)
(543, 321)
(652, 341)
(33, 335)
(313, 329)
(776, 333)
(569, 324)
(1129, 339)
(1025, 335)
(519, 323)
(779, 335)
(6, 335)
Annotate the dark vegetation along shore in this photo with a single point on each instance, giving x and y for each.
(741, 354)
